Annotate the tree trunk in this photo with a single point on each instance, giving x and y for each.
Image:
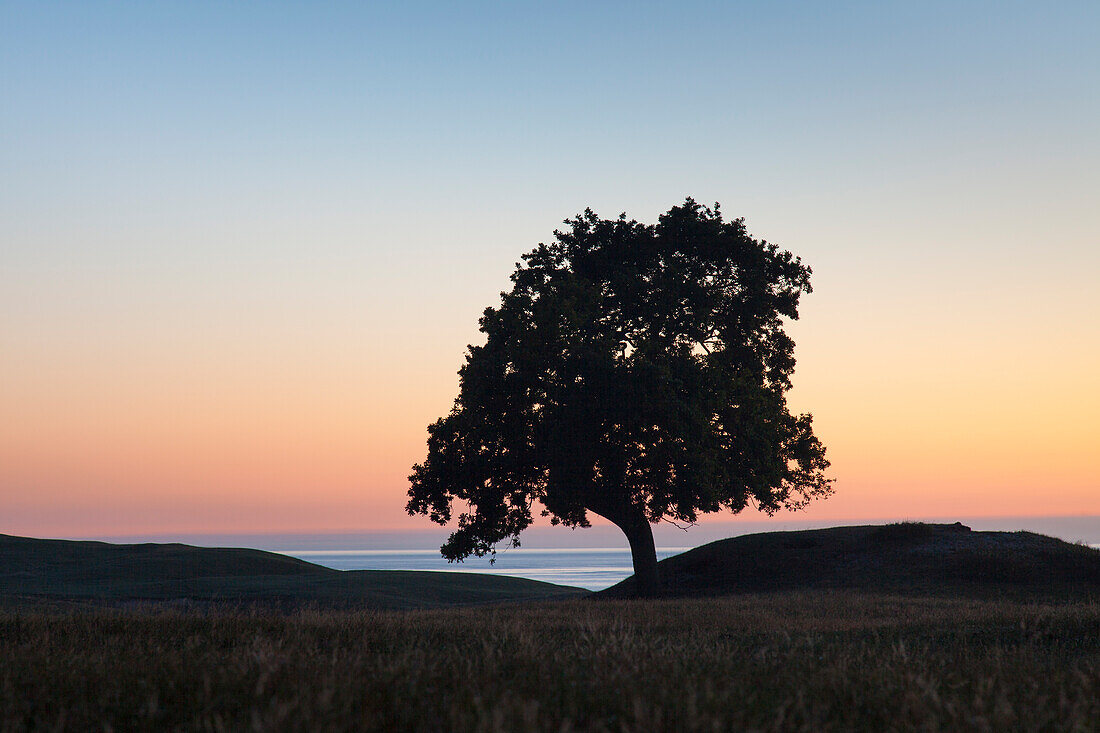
(631, 520)
(644, 554)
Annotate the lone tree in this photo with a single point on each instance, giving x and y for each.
(634, 371)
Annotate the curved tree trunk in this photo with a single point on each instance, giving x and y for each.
(644, 554)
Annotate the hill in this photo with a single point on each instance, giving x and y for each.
(906, 558)
(39, 571)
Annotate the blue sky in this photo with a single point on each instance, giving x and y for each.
(257, 107)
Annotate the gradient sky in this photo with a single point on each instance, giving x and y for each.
(245, 244)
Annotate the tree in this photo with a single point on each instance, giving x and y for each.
(634, 371)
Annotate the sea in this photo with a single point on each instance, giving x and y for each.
(593, 558)
(593, 568)
(547, 556)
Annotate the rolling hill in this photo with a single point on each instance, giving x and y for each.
(906, 558)
(48, 571)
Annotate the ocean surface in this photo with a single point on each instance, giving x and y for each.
(593, 558)
(594, 568)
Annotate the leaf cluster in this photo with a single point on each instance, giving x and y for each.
(633, 370)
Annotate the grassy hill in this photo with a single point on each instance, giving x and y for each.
(911, 559)
(906, 558)
(43, 571)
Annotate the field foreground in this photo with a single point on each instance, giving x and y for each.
(796, 661)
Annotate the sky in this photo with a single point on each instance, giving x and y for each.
(243, 246)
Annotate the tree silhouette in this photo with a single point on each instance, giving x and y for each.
(634, 371)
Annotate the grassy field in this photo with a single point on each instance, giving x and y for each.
(794, 661)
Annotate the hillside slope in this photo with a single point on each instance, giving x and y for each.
(907, 558)
(37, 571)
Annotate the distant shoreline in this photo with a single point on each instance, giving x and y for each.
(1071, 528)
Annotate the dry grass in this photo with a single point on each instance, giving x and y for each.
(816, 661)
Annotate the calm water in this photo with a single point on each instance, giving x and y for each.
(591, 568)
(594, 568)
(549, 555)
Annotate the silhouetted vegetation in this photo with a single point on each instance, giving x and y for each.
(634, 371)
(825, 660)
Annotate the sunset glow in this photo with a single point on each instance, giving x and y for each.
(237, 279)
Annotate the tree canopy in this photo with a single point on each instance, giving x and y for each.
(634, 371)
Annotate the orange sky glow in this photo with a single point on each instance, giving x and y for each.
(243, 248)
(176, 441)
